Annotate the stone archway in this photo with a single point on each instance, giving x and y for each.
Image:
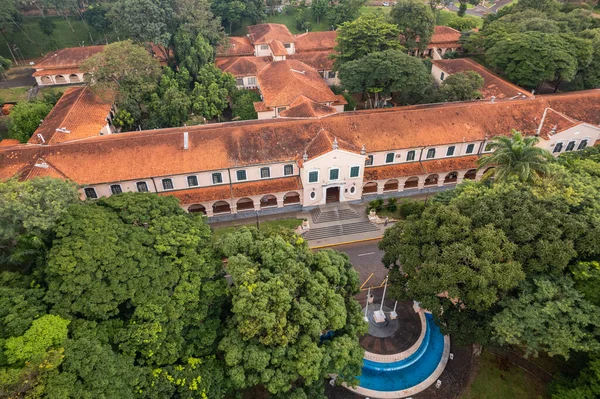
(220, 207)
(370, 188)
(411, 182)
(291, 198)
(60, 79)
(432, 180)
(197, 208)
(74, 78)
(47, 80)
(245, 204)
(268, 201)
(451, 177)
(391, 185)
(471, 174)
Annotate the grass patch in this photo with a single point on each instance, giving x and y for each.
(496, 378)
(444, 18)
(267, 225)
(14, 94)
(62, 37)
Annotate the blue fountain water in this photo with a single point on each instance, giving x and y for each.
(408, 372)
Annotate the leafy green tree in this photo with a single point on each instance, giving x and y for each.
(319, 9)
(585, 386)
(382, 73)
(416, 22)
(143, 21)
(516, 156)
(209, 98)
(193, 53)
(123, 120)
(368, 34)
(47, 26)
(242, 104)
(285, 298)
(463, 24)
(46, 332)
(97, 16)
(230, 11)
(343, 11)
(587, 280)
(462, 86)
(25, 117)
(549, 316)
(462, 9)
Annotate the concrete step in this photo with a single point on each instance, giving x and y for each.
(340, 230)
(333, 215)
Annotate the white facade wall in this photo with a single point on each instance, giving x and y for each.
(438, 74)
(575, 134)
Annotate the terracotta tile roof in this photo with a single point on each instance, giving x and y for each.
(260, 106)
(79, 111)
(9, 142)
(450, 164)
(201, 194)
(304, 107)
(68, 57)
(340, 100)
(56, 71)
(242, 66)
(393, 171)
(322, 143)
(444, 34)
(493, 85)
(237, 45)
(317, 59)
(40, 168)
(137, 155)
(277, 48)
(282, 81)
(263, 187)
(264, 33)
(314, 41)
(554, 122)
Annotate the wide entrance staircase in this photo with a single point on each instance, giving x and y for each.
(337, 220)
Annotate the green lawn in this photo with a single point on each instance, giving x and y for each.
(271, 224)
(498, 379)
(13, 94)
(42, 44)
(444, 17)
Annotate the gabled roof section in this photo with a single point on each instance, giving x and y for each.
(579, 105)
(283, 81)
(316, 41)
(236, 46)
(319, 60)
(554, 122)
(40, 168)
(323, 142)
(78, 114)
(304, 107)
(71, 57)
(264, 33)
(277, 48)
(493, 85)
(242, 66)
(444, 34)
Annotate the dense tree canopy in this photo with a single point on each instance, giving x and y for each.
(25, 118)
(462, 86)
(416, 22)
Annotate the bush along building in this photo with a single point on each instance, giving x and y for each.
(236, 169)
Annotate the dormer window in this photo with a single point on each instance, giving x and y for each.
(288, 170)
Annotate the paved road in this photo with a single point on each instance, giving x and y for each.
(481, 11)
(366, 259)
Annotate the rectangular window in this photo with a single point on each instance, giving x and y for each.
(450, 151)
(570, 146)
(265, 173)
(354, 171)
(369, 160)
(142, 187)
(252, 81)
(239, 81)
(217, 178)
(287, 45)
(558, 147)
(334, 174)
(116, 189)
(280, 110)
(470, 148)
(90, 193)
(389, 158)
(442, 76)
(410, 156)
(313, 176)
(240, 175)
(264, 46)
(488, 147)
(582, 145)
(331, 74)
(288, 170)
(192, 181)
(431, 153)
(167, 184)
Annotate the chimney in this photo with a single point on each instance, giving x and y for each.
(363, 150)
(305, 157)
(185, 141)
(493, 99)
(335, 144)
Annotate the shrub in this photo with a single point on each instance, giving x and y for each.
(411, 207)
(392, 204)
(375, 205)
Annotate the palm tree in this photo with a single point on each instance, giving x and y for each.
(516, 156)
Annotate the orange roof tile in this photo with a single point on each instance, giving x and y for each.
(450, 164)
(9, 142)
(392, 171)
(56, 71)
(263, 187)
(81, 112)
(201, 194)
(260, 106)
(40, 168)
(236, 46)
(554, 122)
(444, 34)
(282, 81)
(137, 155)
(242, 66)
(68, 57)
(304, 107)
(319, 60)
(493, 85)
(315, 41)
(277, 48)
(264, 33)
(323, 142)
